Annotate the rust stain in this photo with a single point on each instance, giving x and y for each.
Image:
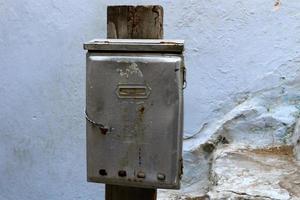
(103, 130)
(280, 150)
(169, 42)
(142, 110)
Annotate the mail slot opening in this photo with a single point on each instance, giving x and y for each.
(132, 91)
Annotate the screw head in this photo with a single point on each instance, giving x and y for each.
(161, 177)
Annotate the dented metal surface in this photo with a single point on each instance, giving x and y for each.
(138, 97)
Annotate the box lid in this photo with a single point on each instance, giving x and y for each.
(135, 45)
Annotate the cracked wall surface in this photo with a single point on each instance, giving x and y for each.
(241, 103)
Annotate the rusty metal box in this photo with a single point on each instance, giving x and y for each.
(134, 112)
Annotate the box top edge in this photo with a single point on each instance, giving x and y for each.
(135, 45)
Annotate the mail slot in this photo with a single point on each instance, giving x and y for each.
(134, 112)
(132, 91)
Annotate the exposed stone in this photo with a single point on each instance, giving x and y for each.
(255, 173)
(251, 152)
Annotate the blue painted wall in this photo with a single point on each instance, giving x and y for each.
(230, 47)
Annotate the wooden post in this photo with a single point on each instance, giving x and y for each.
(133, 22)
(115, 192)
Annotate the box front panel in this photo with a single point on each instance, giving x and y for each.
(138, 99)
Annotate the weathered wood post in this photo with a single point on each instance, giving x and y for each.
(133, 22)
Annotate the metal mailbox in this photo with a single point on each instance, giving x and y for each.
(134, 112)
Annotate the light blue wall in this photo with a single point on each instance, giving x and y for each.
(230, 46)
